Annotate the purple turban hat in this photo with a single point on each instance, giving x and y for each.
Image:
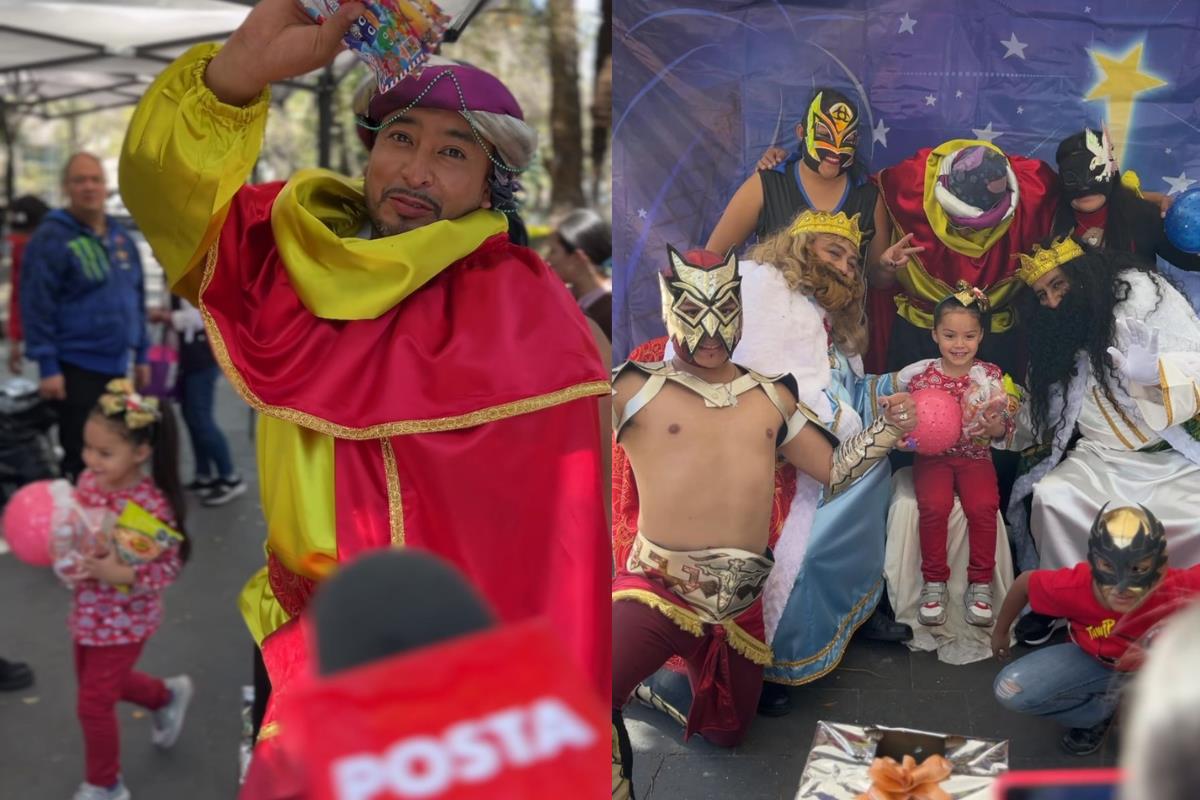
(485, 102)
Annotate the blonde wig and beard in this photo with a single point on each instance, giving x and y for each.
(797, 260)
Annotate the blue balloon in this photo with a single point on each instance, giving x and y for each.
(1183, 222)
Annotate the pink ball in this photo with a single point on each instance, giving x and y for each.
(939, 421)
(29, 521)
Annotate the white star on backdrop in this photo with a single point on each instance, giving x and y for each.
(1087, 9)
(986, 134)
(930, 100)
(1179, 184)
(1167, 151)
(958, 94)
(642, 213)
(906, 24)
(1020, 109)
(880, 133)
(1014, 48)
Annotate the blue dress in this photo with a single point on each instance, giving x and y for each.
(841, 576)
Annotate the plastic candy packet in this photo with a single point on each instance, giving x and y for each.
(984, 396)
(392, 37)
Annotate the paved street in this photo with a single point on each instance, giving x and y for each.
(876, 683)
(202, 634)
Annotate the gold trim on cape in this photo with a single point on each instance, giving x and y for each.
(742, 642)
(385, 429)
(395, 504)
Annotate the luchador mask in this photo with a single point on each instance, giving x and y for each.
(830, 128)
(1086, 165)
(1123, 538)
(701, 296)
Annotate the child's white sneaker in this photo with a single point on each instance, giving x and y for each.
(979, 604)
(88, 791)
(932, 609)
(168, 720)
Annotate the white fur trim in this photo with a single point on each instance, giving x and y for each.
(789, 551)
(783, 331)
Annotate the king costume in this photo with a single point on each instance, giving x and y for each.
(401, 382)
(1137, 444)
(828, 574)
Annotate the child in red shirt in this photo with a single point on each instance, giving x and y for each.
(966, 468)
(119, 606)
(1112, 602)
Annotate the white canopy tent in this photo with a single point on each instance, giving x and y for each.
(101, 55)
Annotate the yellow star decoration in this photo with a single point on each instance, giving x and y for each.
(1122, 81)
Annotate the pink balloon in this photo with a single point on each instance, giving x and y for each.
(939, 421)
(29, 520)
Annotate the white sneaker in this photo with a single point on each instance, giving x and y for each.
(979, 604)
(168, 720)
(88, 791)
(932, 609)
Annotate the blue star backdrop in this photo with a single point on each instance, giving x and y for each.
(702, 90)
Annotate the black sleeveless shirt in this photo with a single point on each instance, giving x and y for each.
(783, 199)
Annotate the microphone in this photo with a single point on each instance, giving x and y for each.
(419, 693)
(351, 630)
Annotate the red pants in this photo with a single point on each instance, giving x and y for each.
(643, 640)
(935, 481)
(106, 675)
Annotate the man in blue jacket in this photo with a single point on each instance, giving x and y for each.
(83, 303)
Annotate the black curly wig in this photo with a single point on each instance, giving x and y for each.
(1084, 320)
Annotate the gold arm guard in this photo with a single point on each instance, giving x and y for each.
(854, 456)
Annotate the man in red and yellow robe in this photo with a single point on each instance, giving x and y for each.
(964, 239)
(434, 388)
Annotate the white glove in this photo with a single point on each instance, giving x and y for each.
(1139, 362)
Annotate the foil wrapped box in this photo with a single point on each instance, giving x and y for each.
(841, 755)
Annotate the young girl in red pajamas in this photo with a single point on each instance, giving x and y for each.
(966, 468)
(119, 606)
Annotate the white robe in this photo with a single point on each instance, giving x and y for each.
(1109, 463)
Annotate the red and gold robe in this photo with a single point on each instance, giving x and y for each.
(986, 259)
(435, 389)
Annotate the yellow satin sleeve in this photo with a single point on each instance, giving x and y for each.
(295, 474)
(185, 156)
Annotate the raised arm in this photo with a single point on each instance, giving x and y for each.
(197, 131)
(740, 218)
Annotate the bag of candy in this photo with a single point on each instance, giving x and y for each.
(984, 397)
(392, 37)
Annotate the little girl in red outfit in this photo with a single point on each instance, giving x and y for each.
(118, 606)
(966, 468)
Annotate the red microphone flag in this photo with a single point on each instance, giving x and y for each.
(500, 714)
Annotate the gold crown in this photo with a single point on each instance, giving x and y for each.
(1045, 259)
(823, 222)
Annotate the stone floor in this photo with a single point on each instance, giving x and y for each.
(876, 683)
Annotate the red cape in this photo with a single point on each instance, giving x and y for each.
(512, 498)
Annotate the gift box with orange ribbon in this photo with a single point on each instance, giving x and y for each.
(856, 762)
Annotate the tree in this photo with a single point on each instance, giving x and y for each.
(566, 128)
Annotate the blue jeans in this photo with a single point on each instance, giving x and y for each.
(1062, 683)
(208, 443)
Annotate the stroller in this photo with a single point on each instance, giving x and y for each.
(26, 451)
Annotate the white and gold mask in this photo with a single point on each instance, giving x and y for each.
(701, 295)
